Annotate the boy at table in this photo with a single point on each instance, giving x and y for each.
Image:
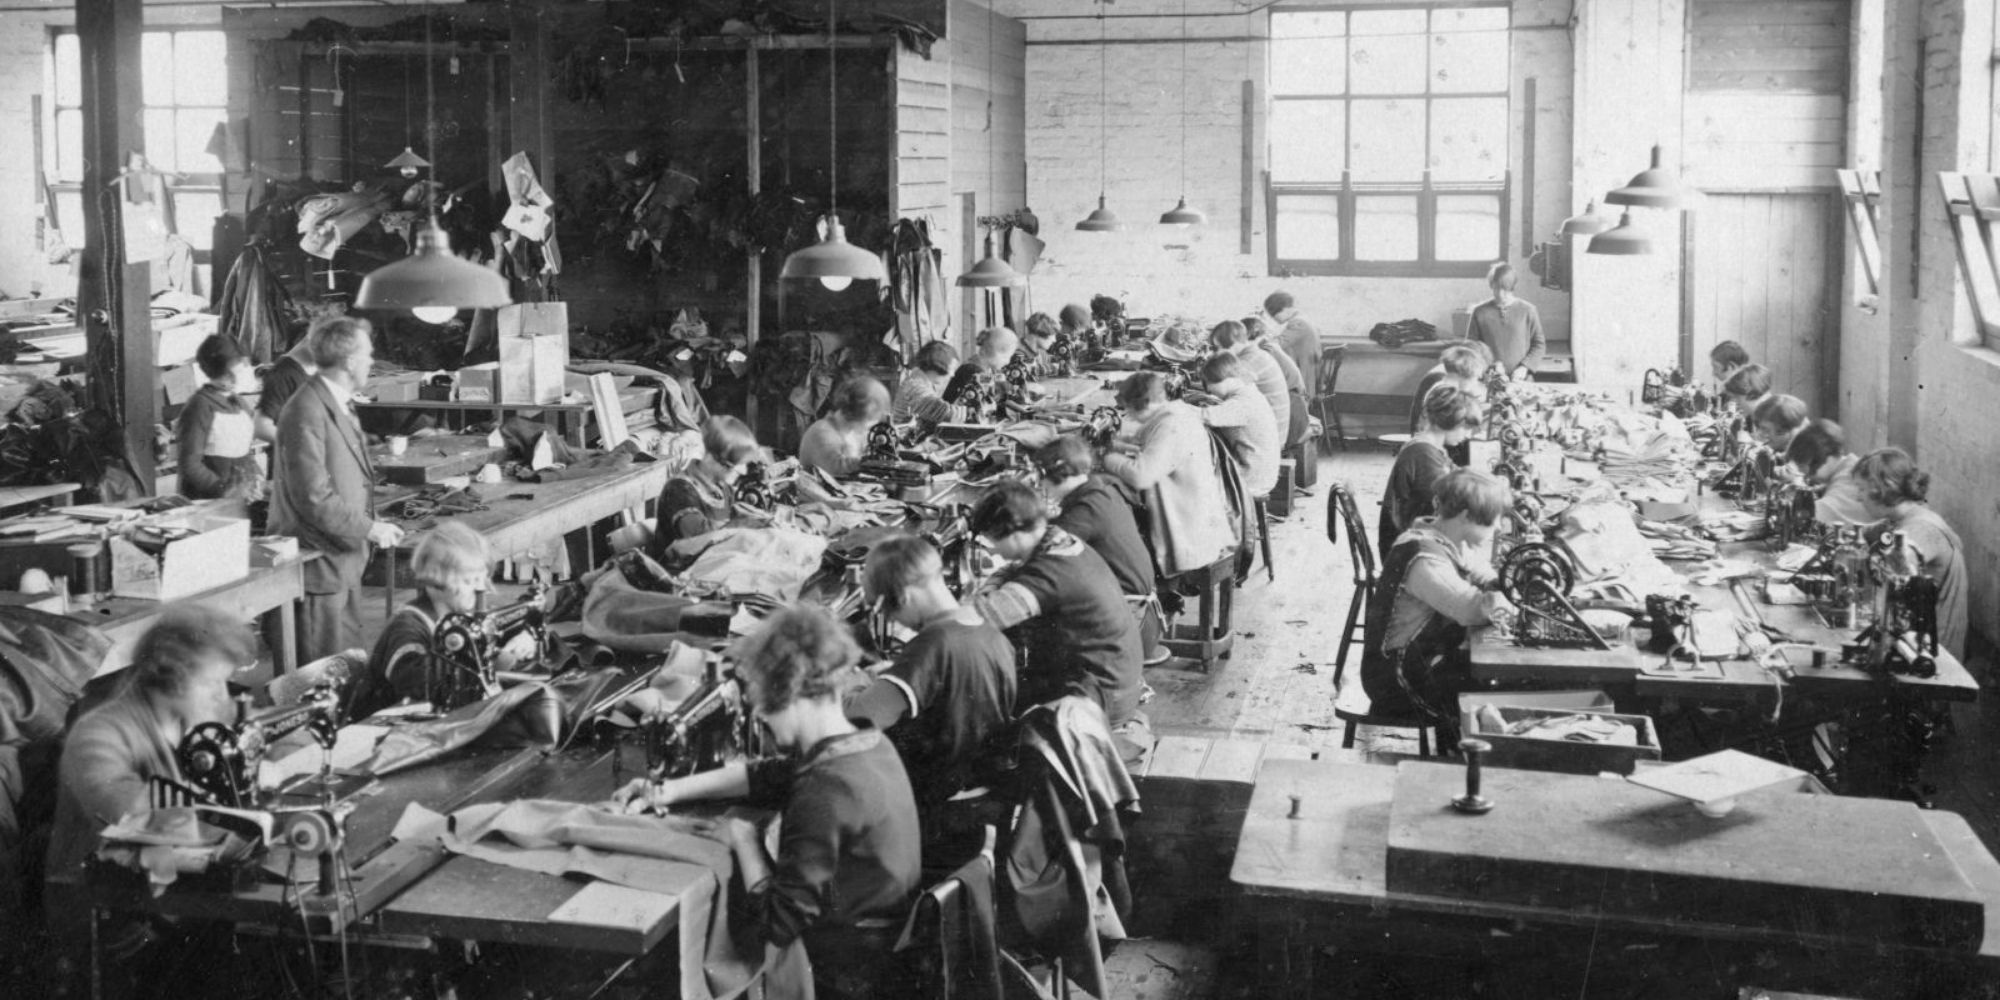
(1437, 582)
(848, 862)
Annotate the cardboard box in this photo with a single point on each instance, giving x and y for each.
(478, 383)
(534, 351)
(1529, 753)
(400, 388)
(217, 552)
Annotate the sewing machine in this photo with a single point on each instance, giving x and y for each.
(1538, 578)
(1903, 637)
(219, 761)
(1750, 476)
(1789, 515)
(1838, 580)
(705, 731)
(1104, 424)
(465, 647)
(884, 459)
(753, 489)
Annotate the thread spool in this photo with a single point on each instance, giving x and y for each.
(84, 579)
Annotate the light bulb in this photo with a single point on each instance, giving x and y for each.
(409, 173)
(434, 314)
(836, 283)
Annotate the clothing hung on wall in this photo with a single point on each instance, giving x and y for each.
(916, 287)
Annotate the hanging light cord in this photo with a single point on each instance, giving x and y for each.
(833, 109)
(1184, 47)
(1103, 135)
(430, 117)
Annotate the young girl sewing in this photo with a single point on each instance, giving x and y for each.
(1451, 415)
(1894, 490)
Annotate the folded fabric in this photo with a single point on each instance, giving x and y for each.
(621, 615)
(772, 561)
(539, 720)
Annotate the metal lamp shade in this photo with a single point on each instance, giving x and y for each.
(1182, 215)
(1587, 224)
(992, 272)
(431, 277)
(1103, 220)
(407, 160)
(834, 257)
(1624, 241)
(1653, 187)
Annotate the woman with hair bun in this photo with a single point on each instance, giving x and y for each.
(1894, 490)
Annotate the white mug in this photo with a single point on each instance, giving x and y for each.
(398, 444)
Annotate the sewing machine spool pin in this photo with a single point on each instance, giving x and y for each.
(1472, 803)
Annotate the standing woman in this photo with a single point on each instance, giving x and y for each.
(1894, 491)
(216, 427)
(1169, 461)
(1451, 415)
(703, 497)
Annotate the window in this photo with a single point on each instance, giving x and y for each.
(1862, 190)
(1388, 141)
(1973, 203)
(186, 82)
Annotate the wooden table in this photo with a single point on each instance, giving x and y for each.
(21, 496)
(1322, 877)
(523, 518)
(264, 590)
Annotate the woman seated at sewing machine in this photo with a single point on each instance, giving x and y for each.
(1775, 421)
(1746, 387)
(1097, 509)
(1894, 491)
(1819, 452)
(1245, 420)
(1462, 365)
(703, 497)
(452, 569)
(1039, 336)
(836, 443)
(1437, 582)
(978, 383)
(1165, 455)
(920, 395)
(848, 858)
(1725, 358)
(179, 679)
(1451, 415)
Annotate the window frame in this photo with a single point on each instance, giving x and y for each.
(1861, 190)
(1427, 191)
(214, 183)
(1972, 207)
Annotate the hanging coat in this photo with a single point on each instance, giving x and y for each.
(916, 287)
(253, 307)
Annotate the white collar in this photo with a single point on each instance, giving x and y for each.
(342, 395)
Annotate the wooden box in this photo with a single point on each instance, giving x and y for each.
(1530, 753)
(1824, 866)
(478, 383)
(534, 351)
(215, 553)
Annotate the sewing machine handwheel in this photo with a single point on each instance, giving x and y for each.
(309, 834)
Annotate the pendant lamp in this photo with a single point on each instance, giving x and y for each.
(991, 271)
(1103, 220)
(432, 281)
(1589, 223)
(1181, 215)
(407, 162)
(834, 261)
(1653, 187)
(1625, 240)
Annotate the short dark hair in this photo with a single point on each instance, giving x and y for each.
(1074, 317)
(1142, 389)
(799, 652)
(897, 562)
(1043, 325)
(1010, 506)
(937, 357)
(1227, 334)
(1219, 366)
(1748, 382)
(1254, 327)
(182, 635)
(856, 398)
(1480, 497)
(1277, 302)
(1501, 275)
(1815, 443)
(1786, 413)
(1729, 353)
(1889, 476)
(1066, 456)
(334, 338)
(217, 354)
(728, 440)
(1464, 360)
(1448, 408)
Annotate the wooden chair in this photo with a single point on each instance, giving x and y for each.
(1325, 401)
(1350, 701)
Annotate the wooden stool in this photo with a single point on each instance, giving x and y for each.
(1210, 639)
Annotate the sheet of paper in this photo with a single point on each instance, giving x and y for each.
(601, 904)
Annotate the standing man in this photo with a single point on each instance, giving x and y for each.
(324, 486)
(1297, 335)
(1509, 326)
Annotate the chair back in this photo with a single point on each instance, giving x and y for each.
(952, 953)
(1341, 507)
(1329, 369)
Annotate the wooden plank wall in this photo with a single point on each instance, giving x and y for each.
(1767, 81)
(923, 138)
(978, 37)
(1762, 279)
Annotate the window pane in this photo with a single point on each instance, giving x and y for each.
(69, 72)
(194, 217)
(1309, 53)
(160, 138)
(69, 215)
(193, 128)
(1469, 19)
(1468, 227)
(156, 68)
(201, 73)
(1475, 61)
(69, 146)
(1308, 227)
(1386, 54)
(1385, 228)
(1386, 140)
(1308, 141)
(1468, 139)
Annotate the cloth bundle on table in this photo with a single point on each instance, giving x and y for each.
(328, 221)
(771, 561)
(667, 855)
(625, 615)
(533, 713)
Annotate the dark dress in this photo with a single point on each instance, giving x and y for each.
(959, 680)
(398, 667)
(1418, 468)
(1085, 641)
(691, 504)
(213, 437)
(281, 379)
(1099, 513)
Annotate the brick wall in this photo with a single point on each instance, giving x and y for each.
(1205, 271)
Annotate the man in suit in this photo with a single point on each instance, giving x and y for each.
(324, 485)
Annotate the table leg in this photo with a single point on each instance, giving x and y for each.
(1285, 953)
(389, 574)
(287, 653)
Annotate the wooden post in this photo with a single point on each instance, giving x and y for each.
(753, 170)
(528, 60)
(113, 294)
